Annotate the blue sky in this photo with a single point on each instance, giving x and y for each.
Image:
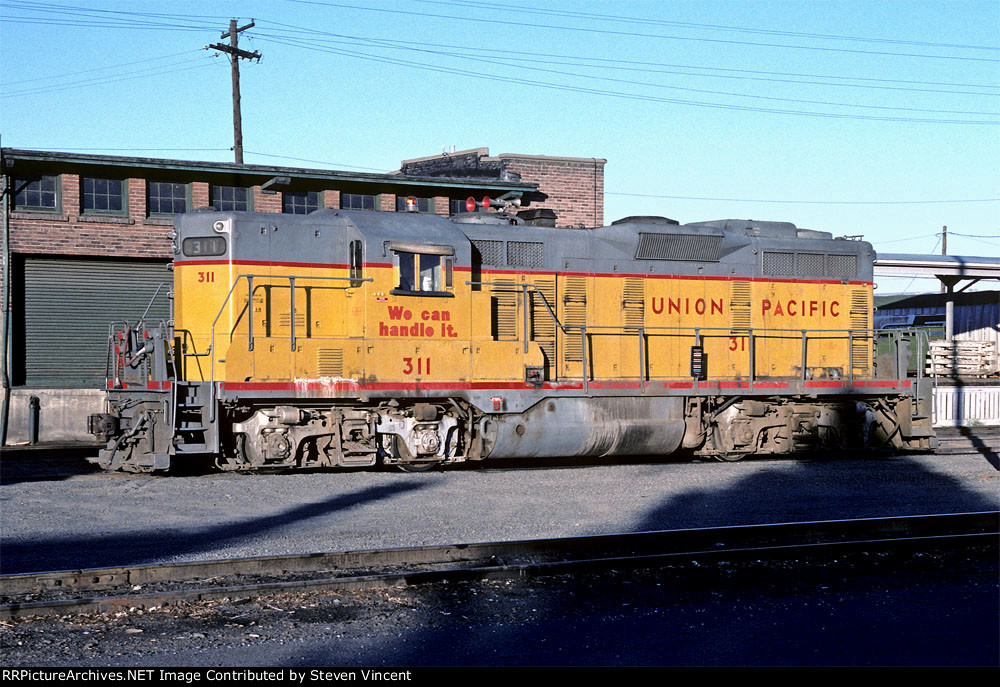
(873, 118)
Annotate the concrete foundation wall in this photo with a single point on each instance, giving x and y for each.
(62, 415)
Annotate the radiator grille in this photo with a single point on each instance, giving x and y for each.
(330, 362)
(779, 264)
(842, 266)
(284, 320)
(633, 302)
(490, 252)
(543, 327)
(525, 254)
(574, 315)
(678, 247)
(860, 323)
(504, 306)
(739, 307)
(811, 264)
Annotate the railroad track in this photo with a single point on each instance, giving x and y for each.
(954, 440)
(149, 586)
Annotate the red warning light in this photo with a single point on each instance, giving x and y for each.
(486, 202)
(470, 204)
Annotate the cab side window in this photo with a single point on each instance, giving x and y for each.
(425, 273)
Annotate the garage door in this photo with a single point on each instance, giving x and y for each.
(66, 308)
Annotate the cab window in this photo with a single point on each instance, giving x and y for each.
(424, 273)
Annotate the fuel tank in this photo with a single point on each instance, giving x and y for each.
(587, 427)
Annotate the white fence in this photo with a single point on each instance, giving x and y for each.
(967, 406)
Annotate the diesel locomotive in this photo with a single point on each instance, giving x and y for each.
(353, 338)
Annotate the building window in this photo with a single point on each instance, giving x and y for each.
(422, 204)
(104, 195)
(299, 202)
(230, 198)
(36, 194)
(356, 201)
(164, 198)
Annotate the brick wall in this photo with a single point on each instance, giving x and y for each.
(266, 202)
(574, 186)
(70, 232)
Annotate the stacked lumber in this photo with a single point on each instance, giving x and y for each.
(963, 358)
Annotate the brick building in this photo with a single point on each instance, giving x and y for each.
(86, 240)
(573, 186)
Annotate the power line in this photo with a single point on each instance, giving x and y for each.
(808, 202)
(318, 162)
(582, 62)
(910, 238)
(701, 90)
(975, 236)
(632, 34)
(619, 94)
(493, 6)
(104, 80)
(98, 69)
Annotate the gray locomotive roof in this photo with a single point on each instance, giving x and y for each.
(632, 246)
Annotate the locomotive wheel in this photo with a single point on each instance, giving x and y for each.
(416, 467)
(729, 457)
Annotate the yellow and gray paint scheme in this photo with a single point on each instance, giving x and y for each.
(342, 338)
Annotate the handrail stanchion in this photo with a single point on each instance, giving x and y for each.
(642, 358)
(584, 357)
(524, 303)
(803, 355)
(250, 312)
(291, 283)
(850, 355)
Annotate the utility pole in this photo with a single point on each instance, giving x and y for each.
(944, 251)
(235, 55)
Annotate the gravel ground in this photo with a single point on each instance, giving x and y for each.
(855, 609)
(92, 520)
(859, 610)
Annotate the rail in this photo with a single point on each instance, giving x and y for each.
(752, 334)
(67, 591)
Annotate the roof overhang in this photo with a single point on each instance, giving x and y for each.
(954, 266)
(261, 172)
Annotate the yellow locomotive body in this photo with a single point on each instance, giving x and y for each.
(344, 338)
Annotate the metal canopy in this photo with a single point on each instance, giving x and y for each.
(916, 264)
(949, 269)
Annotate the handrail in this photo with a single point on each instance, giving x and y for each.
(752, 334)
(153, 299)
(355, 282)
